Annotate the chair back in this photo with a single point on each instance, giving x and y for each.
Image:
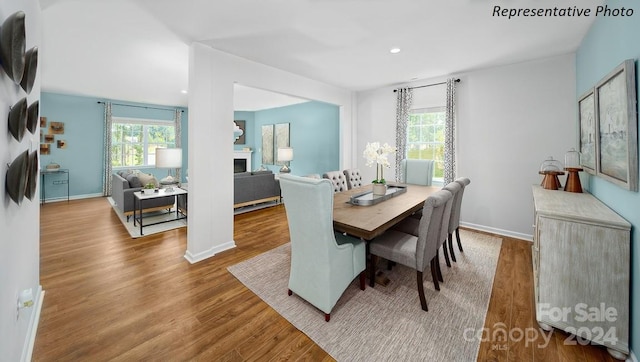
(433, 214)
(417, 172)
(454, 222)
(309, 207)
(338, 180)
(456, 190)
(354, 179)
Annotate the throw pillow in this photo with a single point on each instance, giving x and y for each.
(146, 178)
(134, 181)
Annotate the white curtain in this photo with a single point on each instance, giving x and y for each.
(108, 169)
(449, 133)
(178, 127)
(403, 110)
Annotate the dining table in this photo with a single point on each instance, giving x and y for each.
(367, 222)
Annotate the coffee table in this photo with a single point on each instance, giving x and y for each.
(138, 202)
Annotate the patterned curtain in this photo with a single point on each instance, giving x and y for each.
(403, 109)
(178, 127)
(108, 169)
(449, 133)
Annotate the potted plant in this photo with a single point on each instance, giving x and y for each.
(149, 188)
(378, 154)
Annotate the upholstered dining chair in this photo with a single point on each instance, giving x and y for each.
(456, 191)
(417, 172)
(353, 178)
(416, 251)
(454, 221)
(323, 262)
(338, 180)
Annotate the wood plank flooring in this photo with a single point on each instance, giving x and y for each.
(110, 297)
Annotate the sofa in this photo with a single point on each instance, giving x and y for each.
(250, 188)
(125, 183)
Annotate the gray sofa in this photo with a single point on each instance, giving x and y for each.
(255, 187)
(122, 194)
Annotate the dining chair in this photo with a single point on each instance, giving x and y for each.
(454, 222)
(456, 191)
(417, 172)
(353, 178)
(338, 180)
(416, 251)
(323, 262)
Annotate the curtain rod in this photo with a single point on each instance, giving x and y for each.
(131, 105)
(430, 85)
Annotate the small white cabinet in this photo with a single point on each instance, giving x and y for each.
(581, 253)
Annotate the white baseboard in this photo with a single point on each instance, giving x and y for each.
(32, 329)
(72, 197)
(194, 258)
(511, 234)
(632, 357)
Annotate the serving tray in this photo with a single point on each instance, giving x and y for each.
(368, 198)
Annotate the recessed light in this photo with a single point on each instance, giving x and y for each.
(394, 50)
(183, 91)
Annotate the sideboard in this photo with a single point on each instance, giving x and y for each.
(581, 268)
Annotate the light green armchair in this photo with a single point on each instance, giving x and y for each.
(323, 262)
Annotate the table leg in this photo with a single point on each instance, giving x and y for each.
(140, 204)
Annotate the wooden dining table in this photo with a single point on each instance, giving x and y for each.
(367, 222)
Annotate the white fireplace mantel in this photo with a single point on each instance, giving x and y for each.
(246, 155)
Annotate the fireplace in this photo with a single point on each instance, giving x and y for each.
(239, 165)
(241, 161)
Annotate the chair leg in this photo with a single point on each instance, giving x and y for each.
(458, 239)
(290, 292)
(390, 264)
(372, 271)
(423, 300)
(438, 267)
(446, 253)
(453, 255)
(327, 316)
(434, 274)
(363, 277)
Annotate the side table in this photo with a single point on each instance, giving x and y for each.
(44, 173)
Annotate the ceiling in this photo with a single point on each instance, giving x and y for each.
(138, 50)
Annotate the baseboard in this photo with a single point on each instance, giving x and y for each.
(488, 229)
(72, 197)
(194, 258)
(632, 357)
(32, 329)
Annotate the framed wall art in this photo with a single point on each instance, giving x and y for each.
(617, 128)
(267, 144)
(242, 126)
(281, 140)
(587, 126)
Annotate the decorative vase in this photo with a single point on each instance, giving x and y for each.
(379, 189)
(148, 191)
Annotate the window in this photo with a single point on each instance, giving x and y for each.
(425, 137)
(134, 141)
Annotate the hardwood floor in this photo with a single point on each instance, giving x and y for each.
(110, 297)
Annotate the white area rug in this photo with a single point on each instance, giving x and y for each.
(387, 323)
(151, 217)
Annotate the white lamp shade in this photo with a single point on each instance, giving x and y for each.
(285, 154)
(168, 157)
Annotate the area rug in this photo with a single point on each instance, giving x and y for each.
(150, 217)
(387, 323)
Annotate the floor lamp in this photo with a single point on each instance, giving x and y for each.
(169, 158)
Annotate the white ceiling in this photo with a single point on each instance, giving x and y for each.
(137, 50)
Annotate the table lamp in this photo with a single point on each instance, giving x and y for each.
(285, 154)
(169, 158)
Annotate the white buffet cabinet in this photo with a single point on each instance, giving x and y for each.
(581, 252)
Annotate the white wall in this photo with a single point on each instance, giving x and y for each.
(510, 119)
(212, 75)
(19, 225)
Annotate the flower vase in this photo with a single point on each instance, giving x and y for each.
(379, 189)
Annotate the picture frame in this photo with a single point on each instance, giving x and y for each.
(281, 140)
(267, 144)
(617, 130)
(587, 142)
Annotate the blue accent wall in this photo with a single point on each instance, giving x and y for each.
(609, 42)
(83, 132)
(314, 129)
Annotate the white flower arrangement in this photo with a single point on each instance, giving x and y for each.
(378, 155)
